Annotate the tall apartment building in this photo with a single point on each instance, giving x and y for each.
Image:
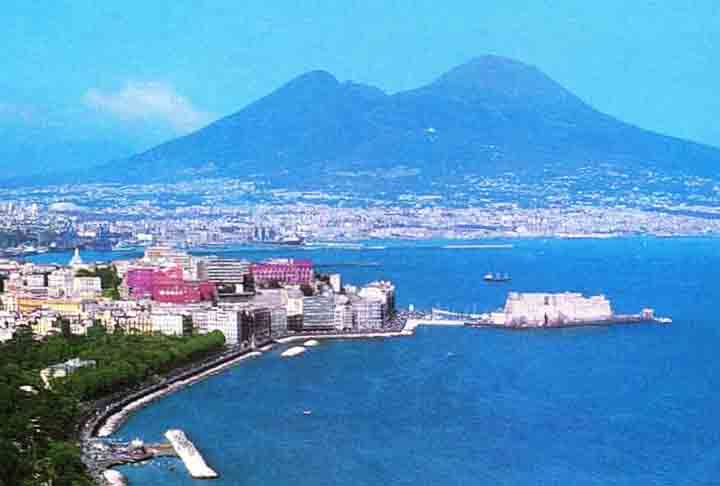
(256, 325)
(319, 311)
(276, 301)
(226, 271)
(382, 292)
(278, 321)
(367, 313)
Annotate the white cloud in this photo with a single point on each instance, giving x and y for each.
(149, 101)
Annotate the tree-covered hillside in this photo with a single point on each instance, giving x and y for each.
(37, 436)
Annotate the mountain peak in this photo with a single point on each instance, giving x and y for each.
(495, 76)
(318, 78)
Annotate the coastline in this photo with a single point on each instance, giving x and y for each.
(107, 415)
(108, 419)
(113, 422)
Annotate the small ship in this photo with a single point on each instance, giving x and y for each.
(496, 277)
(293, 240)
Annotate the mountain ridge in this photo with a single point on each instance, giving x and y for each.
(487, 115)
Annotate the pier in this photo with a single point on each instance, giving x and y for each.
(107, 454)
(194, 462)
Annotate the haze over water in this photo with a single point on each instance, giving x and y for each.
(625, 405)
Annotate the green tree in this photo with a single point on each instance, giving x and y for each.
(96, 331)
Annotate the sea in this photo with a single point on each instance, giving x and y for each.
(609, 405)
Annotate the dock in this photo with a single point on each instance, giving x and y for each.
(194, 462)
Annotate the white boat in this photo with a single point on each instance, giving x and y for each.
(496, 277)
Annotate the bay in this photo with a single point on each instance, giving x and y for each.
(623, 405)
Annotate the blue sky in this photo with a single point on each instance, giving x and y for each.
(85, 81)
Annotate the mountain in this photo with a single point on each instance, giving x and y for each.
(488, 115)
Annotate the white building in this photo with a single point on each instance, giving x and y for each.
(227, 321)
(7, 325)
(368, 314)
(319, 310)
(278, 320)
(380, 298)
(60, 283)
(343, 313)
(294, 304)
(226, 271)
(35, 281)
(87, 287)
(63, 369)
(336, 282)
(166, 323)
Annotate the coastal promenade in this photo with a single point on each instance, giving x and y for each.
(109, 415)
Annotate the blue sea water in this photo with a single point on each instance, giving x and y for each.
(624, 405)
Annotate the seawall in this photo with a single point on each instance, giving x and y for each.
(120, 412)
(107, 419)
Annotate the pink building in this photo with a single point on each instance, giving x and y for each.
(183, 292)
(285, 271)
(166, 285)
(139, 281)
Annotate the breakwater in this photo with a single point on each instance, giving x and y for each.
(194, 462)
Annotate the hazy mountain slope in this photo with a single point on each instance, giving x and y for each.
(489, 114)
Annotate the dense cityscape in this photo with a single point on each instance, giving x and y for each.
(211, 213)
(171, 292)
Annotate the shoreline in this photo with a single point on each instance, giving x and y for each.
(106, 420)
(449, 242)
(107, 415)
(107, 424)
(112, 423)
